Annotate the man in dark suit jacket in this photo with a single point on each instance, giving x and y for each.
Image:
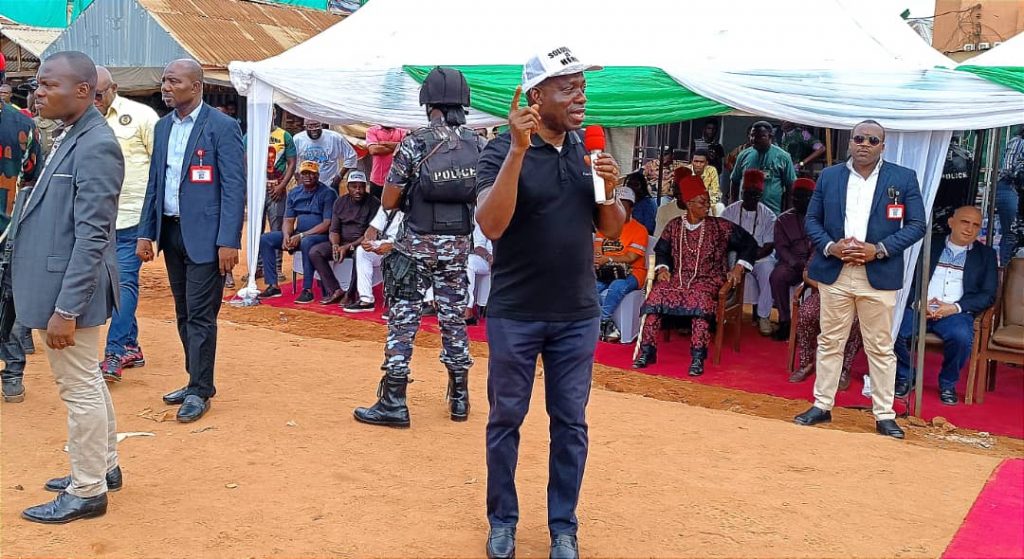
(193, 209)
(65, 279)
(963, 284)
(862, 216)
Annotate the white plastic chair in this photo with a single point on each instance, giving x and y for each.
(627, 316)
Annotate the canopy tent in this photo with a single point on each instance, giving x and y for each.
(1003, 65)
(872, 66)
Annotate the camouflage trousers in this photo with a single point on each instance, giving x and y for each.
(441, 264)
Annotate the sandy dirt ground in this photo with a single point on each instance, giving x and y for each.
(279, 467)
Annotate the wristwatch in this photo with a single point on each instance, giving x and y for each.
(880, 251)
(302, 236)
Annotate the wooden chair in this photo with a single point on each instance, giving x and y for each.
(1002, 333)
(728, 314)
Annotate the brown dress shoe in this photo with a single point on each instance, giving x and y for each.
(802, 373)
(333, 298)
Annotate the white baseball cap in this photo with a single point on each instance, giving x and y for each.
(556, 62)
(356, 176)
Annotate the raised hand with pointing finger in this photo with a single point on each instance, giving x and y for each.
(522, 122)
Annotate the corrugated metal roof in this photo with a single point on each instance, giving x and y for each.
(217, 32)
(33, 39)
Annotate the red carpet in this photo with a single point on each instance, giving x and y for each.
(993, 527)
(760, 368)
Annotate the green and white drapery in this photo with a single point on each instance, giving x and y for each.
(870, 64)
(1003, 65)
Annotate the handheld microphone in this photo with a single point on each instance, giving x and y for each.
(593, 141)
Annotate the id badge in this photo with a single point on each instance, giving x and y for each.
(202, 174)
(894, 212)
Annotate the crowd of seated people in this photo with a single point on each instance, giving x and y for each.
(620, 265)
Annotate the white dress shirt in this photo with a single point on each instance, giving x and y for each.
(181, 129)
(947, 283)
(860, 193)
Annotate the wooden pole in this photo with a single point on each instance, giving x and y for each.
(828, 147)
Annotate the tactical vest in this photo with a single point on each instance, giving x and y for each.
(443, 193)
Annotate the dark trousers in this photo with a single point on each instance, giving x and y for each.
(782, 279)
(197, 290)
(957, 333)
(567, 350)
(12, 352)
(376, 190)
(270, 249)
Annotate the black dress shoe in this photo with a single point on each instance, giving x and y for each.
(889, 428)
(114, 482)
(697, 357)
(175, 398)
(813, 416)
(948, 396)
(192, 408)
(563, 546)
(66, 508)
(501, 543)
(902, 388)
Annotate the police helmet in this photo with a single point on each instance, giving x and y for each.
(444, 86)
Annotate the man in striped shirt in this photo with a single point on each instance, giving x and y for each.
(1011, 181)
(963, 284)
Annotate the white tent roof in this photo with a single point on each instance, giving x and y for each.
(1010, 53)
(867, 62)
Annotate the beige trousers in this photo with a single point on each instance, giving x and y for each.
(852, 296)
(92, 432)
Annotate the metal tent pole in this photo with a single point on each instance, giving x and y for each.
(922, 307)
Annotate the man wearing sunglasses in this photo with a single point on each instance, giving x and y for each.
(861, 218)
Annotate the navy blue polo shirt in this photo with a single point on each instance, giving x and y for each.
(310, 208)
(543, 266)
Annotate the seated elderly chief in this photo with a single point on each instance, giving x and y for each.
(350, 216)
(808, 326)
(755, 218)
(307, 217)
(963, 284)
(620, 265)
(691, 266)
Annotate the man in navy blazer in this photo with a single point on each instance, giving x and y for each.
(862, 216)
(194, 209)
(963, 285)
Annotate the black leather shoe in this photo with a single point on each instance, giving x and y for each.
(563, 546)
(114, 482)
(501, 543)
(902, 388)
(813, 416)
(66, 508)
(175, 398)
(889, 428)
(948, 396)
(782, 334)
(192, 408)
(648, 355)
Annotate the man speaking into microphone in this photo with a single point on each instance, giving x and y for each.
(536, 201)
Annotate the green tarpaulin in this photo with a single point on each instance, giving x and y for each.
(616, 96)
(1009, 76)
(42, 13)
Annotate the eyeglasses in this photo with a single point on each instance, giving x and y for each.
(860, 140)
(699, 201)
(101, 94)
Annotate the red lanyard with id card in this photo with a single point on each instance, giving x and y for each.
(894, 211)
(201, 174)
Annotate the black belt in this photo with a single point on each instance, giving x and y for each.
(174, 218)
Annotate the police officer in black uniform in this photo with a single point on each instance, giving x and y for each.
(433, 180)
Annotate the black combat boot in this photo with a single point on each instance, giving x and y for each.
(648, 356)
(458, 395)
(698, 356)
(390, 409)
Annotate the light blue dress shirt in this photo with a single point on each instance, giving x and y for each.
(177, 143)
